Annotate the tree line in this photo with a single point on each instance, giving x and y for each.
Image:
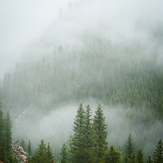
(88, 143)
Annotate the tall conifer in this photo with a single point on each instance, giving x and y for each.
(100, 129)
(129, 146)
(8, 134)
(158, 153)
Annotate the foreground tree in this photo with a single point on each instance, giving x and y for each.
(126, 159)
(129, 146)
(39, 154)
(112, 156)
(3, 151)
(158, 153)
(63, 154)
(8, 134)
(101, 132)
(133, 158)
(48, 156)
(29, 151)
(140, 156)
(78, 137)
(1, 124)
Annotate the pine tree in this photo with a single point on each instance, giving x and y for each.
(158, 153)
(126, 159)
(112, 156)
(89, 137)
(48, 155)
(63, 154)
(8, 135)
(40, 151)
(3, 151)
(29, 151)
(22, 144)
(133, 158)
(129, 146)
(140, 156)
(1, 124)
(77, 140)
(149, 160)
(100, 129)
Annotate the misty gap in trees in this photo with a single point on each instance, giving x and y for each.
(42, 95)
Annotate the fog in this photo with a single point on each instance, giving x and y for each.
(20, 23)
(48, 43)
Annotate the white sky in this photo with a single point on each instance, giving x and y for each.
(21, 21)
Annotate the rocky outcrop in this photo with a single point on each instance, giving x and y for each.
(19, 152)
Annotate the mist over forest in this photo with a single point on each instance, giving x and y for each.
(107, 52)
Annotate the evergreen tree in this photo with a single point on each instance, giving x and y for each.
(77, 140)
(100, 129)
(89, 137)
(8, 134)
(149, 160)
(22, 144)
(112, 156)
(158, 153)
(3, 152)
(29, 151)
(140, 156)
(1, 124)
(63, 154)
(126, 159)
(129, 146)
(40, 151)
(48, 156)
(133, 158)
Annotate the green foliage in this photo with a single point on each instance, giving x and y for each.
(39, 153)
(112, 156)
(129, 146)
(29, 151)
(133, 158)
(8, 134)
(100, 127)
(140, 156)
(22, 144)
(3, 151)
(48, 156)
(63, 154)
(2, 125)
(149, 160)
(126, 159)
(158, 153)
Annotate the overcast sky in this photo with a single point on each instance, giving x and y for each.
(21, 21)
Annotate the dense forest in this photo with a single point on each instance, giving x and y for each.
(63, 69)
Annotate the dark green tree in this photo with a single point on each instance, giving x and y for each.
(129, 146)
(29, 151)
(63, 154)
(8, 134)
(1, 124)
(77, 140)
(149, 160)
(158, 153)
(22, 144)
(133, 158)
(39, 153)
(89, 137)
(3, 152)
(140, 156)
(126, 159)
(101, 132)
(48, 156)
(112, 156)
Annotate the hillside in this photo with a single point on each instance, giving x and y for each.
(90, 65)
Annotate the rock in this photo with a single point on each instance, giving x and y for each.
(19, 152)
